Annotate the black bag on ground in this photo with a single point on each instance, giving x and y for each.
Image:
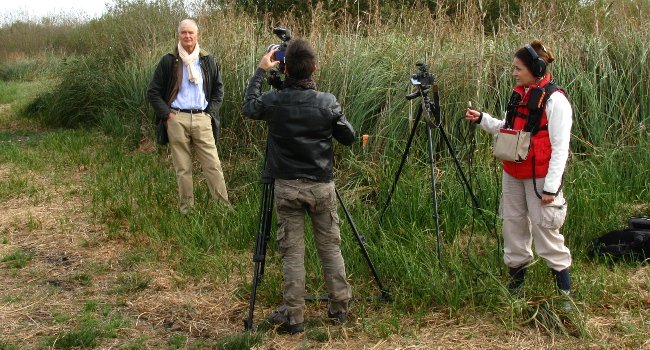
(639, 222)
(632, 242)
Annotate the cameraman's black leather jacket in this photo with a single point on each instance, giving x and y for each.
(301, 126)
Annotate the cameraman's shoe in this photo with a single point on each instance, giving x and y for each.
(282, 320)
(339, 317)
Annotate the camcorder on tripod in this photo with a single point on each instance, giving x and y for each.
(430, 107)
(275, 77)
(423, 78)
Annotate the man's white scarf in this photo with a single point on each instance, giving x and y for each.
(188, 60)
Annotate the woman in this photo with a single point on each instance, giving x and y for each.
(532, 205)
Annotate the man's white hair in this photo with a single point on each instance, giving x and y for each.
(186, 22)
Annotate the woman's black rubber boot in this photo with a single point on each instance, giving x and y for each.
(517, 275)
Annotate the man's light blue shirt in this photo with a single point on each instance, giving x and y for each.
(190, 95)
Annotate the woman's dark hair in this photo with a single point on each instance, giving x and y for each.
(544, 52)
(300, 59)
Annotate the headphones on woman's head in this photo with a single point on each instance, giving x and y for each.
(539, 65)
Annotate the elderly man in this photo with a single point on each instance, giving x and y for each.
(186, 92)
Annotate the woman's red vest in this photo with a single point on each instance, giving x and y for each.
(539, 154)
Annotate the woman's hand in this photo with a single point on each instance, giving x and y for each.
(547, 198)
(473, 116)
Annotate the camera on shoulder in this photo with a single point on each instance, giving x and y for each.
(284, 35)
(275, 78)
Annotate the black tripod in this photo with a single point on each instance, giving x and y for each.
(425, 83)
(263, 236)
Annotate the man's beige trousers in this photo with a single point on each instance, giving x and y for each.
(188, 130)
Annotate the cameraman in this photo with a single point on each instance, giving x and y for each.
(301, 123)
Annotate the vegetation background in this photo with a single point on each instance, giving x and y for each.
(84, 83)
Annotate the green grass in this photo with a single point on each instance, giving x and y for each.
(177, 341)
(7, 346)
(61, 317)
(131, 282)
(240, 341)
(138, 344)
(11, 299)
(403, 248)
(24, 70)
(15, 96)
(133, 258)
(18, 259)
(92, 325)
(82, 279)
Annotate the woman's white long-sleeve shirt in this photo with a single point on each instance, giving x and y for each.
(560, 119)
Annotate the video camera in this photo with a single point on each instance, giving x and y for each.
(422, 76)
(423, 79)
(284, 34)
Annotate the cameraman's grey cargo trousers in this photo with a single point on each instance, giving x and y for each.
(292, 199)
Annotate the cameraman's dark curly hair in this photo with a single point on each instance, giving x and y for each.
(300, 59)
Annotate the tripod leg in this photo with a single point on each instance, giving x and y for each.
(401, 164)
(261, 241)
(385, 295)
(436, 216)
(267, 221)
(459, 168)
